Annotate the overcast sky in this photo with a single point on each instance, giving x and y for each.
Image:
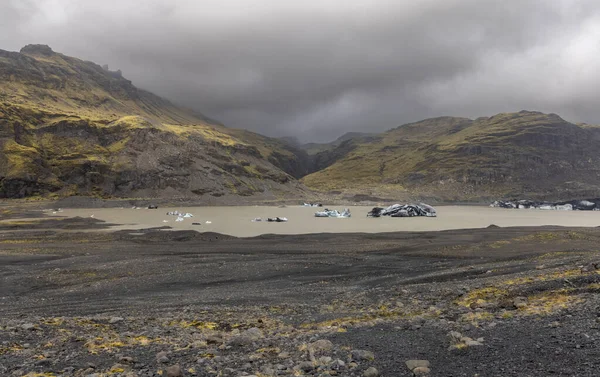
(318, 68)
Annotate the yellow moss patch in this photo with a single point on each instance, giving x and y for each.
(549, 302)
(201, 325)
(543, 277)
(542, 236)
(555, 254)
(118, 146)
(13, 348)
(477, 316)
(53, 321)
(132, 121)
(102, 344)
(482, 296)
(499, 244)
(269, 350)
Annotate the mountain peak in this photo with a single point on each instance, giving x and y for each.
(37, 49)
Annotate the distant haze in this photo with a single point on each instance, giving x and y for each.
(315, 69)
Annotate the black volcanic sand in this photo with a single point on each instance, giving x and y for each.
(79, 303)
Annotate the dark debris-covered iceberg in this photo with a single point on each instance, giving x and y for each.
(404, 210)
(578, 205)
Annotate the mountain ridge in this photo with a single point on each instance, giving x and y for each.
(70, 127)
(449, 158)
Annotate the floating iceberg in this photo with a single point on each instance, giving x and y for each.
(334, 213)
(404, 210)
(580, 205)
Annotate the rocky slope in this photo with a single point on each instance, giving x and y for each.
(71, 127)
(525, 154)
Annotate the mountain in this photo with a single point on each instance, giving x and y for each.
(315, 148)
(526, 154)
(71, 127)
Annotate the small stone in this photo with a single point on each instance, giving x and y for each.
(338, 364)
(455, 335)
(284, 355)
(412, 364)
(305, 366)
(321, 345)
(255, 356)
(540, 267)
(371, 372)
(127, 359)
(162, 357)
(114, 320)
(520, 302)
(591, 267)
(473, 343)
(254, 333)
(421, 371)
(361, 355)
(240, 341)
(325, 360)
(174, 371)
(555, 324)
(28, 326)
(118, 368)
(43, 362)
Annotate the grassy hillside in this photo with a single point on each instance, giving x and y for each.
(70, 127)
(519, 154)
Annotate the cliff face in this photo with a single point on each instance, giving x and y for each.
(69, 127)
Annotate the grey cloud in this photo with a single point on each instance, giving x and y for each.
(318, 68)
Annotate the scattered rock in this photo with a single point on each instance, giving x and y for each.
(127, 359)
(162, 357)
(114, 320)
(43, 362)
(174, 371)
(520, 302)
(29, 326)
(421, 371)
(412, 364)
(321, 345)
(240, 341)
(254, 333)
(305, 366)
(337, 364)
(371, 372)
(591, 267)
(362, 355)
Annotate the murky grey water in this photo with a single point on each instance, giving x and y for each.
(237, 220)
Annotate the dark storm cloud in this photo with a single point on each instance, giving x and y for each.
(318, 68)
